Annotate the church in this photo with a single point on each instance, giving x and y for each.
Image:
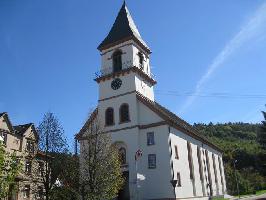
(164, 157)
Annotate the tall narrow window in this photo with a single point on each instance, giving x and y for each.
(176, 152)
(150, 138)
(190, 161)
(201, 170)
(178, 180)
(30, 146)
(40, 168)
(191, 167)
(109, 116)
(221, 173)
(124, 113)
(209, 172)
(28, 166)
(117, 61)
(152, 161)
(215, 173)
(123, 155)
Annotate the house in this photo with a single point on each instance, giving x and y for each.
(164, 157)
(23, 141)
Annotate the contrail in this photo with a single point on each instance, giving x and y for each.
(254, 28)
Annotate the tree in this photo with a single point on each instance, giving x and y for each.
(52, 142)
(69, 179)
(262, 132)
(9, 169)
(100, 172)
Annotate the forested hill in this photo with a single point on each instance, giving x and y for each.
(239, 142)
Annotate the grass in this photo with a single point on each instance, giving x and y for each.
(260, 192)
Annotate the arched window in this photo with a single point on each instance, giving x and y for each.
(123, 155)
(124, 113)
(109, 116)
(117, 61)
(141, 59)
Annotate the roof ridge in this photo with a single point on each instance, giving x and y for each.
(24, 124)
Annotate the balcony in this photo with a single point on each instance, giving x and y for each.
(126, 66)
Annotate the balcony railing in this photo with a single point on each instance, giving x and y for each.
(125, 65)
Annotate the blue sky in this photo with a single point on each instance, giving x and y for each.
(208, 57)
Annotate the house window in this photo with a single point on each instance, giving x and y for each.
(178, 180)
(124, 113)
(117, 61)
(30, 146)
(28, 167)
(123, 155)
(152, 161)
(40, 168)
(26, 194)
(176, 152)
(109, 116)
(4, 136)
(150, 138)
(39, 194)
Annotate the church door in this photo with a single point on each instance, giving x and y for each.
(124, 192)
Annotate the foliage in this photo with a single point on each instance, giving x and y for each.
(68, 176)
(52, 142)
(239, 142)
(262, 133)
(101, 176)
(9, 169)
(51, 134)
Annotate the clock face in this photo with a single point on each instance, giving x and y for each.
(116, 83)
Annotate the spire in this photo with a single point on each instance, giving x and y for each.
(123, 29)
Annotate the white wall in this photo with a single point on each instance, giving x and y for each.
(181, 165)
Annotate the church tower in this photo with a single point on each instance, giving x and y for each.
(125, 61)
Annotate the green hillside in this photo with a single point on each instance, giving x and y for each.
(239, 142)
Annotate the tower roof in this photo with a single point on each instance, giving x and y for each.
(122, 30)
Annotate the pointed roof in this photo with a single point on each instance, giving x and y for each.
(21, 129)
(122, 30)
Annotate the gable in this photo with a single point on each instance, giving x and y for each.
(27, 130)
(31, 133)
(91, 118)
(146, 115)
(5, 123)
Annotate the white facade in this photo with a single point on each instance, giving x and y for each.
(169, 131)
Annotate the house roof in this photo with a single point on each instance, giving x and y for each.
(169, 117)
(87, 123)
(7, 120)
(2, 114)
(21, 129)
(175, 121)
(122, 30)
